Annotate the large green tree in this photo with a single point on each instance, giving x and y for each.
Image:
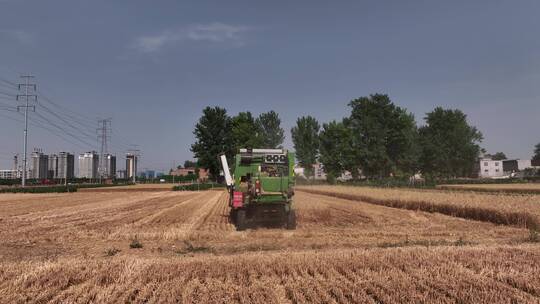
(213, 136)
(272, 135)
(384, 136)
(245, 131)
(497, 156)
(450, 146)
(536, 156)
(305, 137)
(190, 164)
(335, 149)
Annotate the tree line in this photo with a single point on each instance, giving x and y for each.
(216, 132)
(378, 139)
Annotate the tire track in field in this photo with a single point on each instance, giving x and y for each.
(314, 210)
(166, 223)
(100, 215)
(196, 216)
(218, 217)
(156, 218)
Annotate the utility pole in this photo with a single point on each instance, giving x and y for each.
(26, 85)
(172, 171)
(103, 136)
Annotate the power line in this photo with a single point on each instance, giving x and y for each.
(7, 105)
(56, 115)
(64, 120)
(40, 120)
(80, 116)
(62, 129)
(7, 86)
(11, 118)
(8, 94)
(14, 85)
(5, 98)
(78, 119)
(38, 124)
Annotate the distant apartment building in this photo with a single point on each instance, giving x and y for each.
(317, 171)
(40, 165)
(121, 174)
(10, 174)
(490, 168)
(109, 166)
(183, 171)
(515, 165)
(53, 166)
(88, 165)
(64, 165)
(149, 174)
(131, 165)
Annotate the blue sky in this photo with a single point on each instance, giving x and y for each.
(154, 65)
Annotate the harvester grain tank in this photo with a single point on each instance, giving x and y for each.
(261, 187)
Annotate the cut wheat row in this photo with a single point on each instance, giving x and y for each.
(520, 211)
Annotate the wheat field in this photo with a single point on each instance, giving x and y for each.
(77, 248)
(521, 210)
(529, 188)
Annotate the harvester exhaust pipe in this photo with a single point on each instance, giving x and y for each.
(225, 165)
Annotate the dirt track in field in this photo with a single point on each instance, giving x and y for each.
(190, 252)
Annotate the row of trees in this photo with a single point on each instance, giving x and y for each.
(216, 132)
(536, 156)
(379, 139)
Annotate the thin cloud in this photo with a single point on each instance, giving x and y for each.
(213, 32)
(18, 35)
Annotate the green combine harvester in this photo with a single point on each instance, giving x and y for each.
(261, 187)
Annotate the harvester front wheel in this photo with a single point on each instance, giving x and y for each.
(291, 220)
(241, 220)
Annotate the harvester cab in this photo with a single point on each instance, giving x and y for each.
(261, 187)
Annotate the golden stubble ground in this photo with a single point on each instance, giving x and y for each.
(76, 248)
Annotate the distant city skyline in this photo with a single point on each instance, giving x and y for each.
(153, 66)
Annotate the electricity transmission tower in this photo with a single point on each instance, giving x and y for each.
(103, 134)
(26, 97)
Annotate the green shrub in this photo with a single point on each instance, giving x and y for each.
(81, 186)
(197, 187)
(40, 189)
(391, 182)
(481, 181)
